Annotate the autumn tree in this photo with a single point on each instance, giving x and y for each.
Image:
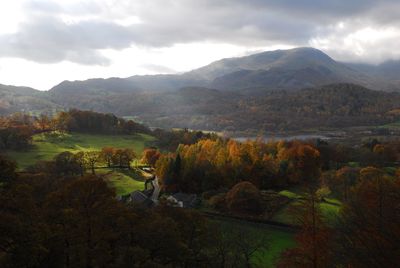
(150, 156)
(303, 163)
(345, 178)
(107, 154)
(91, 159)
(63, 121)
(85, 216)
(43, 122)
(164, 171)
(369, 226)
(244, 197)
(313, 239)
(123, 157)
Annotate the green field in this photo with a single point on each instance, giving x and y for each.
(329, 208)
(123, 181)
(392, 125)
(277, 241)
(45, 147)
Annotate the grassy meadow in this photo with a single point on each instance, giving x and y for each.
(329, 208)
(123, 181)
(277, 240)
(45, 146)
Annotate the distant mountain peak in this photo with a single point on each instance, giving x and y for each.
(279, 69)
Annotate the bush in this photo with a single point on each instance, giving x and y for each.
(217, 202)
(244, 197)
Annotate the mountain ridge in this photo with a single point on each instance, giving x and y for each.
(279, 69)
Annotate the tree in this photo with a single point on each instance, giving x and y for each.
(369, 225)
(123, 157)
(313, 240)
(164, 172)
(237, 246)
(303, 163)
(66, 163)
(85, 216)
(7, 170)
(43, 122)
(92, 158)
(63, 121)
(150, 156)
(244, 197)
(107, 154)
(345, 178)
(81, 161)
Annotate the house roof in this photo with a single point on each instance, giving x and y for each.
(139, 197)
(188, 200)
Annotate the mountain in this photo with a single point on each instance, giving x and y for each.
(387, 72)
(281, 69)
(24, 99)
(290, 60)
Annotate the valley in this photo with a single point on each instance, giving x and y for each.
(295, 149)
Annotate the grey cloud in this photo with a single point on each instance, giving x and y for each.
(45, 38)
(49, 40)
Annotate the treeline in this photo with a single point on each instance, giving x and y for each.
(51, 220)
(90, 122)
(170, 139)
(74, 164)
(370, 153)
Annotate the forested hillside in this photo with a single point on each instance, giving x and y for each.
(337, 105)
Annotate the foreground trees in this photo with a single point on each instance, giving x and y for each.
(79, 223)
(369, 229)
(314, 240)
(7, 171)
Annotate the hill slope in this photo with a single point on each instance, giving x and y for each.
(336, 105)
(24, 99)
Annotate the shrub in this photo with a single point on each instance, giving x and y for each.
(244, 197)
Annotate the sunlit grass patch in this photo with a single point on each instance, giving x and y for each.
(46, 146)
(123, 182)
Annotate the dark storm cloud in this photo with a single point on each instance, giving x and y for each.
(45, 37)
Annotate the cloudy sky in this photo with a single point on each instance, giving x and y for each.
(43, 42)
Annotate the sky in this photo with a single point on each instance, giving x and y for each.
(43, 42)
